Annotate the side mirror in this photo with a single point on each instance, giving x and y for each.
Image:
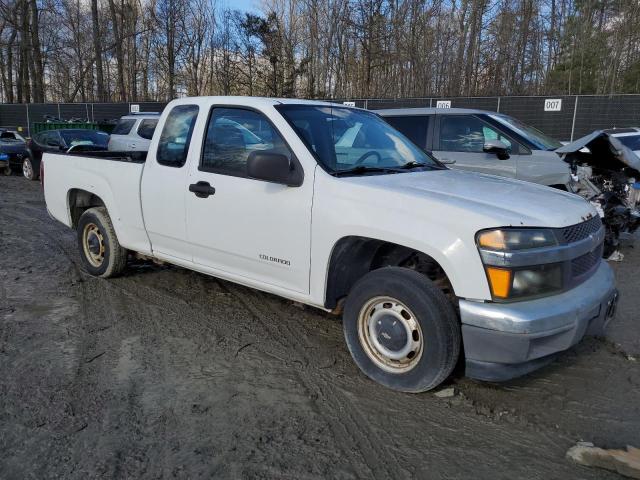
(273, 167)
(498, 147)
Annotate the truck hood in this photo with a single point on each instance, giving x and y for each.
(502, 201)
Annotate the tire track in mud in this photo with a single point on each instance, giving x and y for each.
(280, 332)
(580, 385)
(94, 307)
(108, 308)
(34, 252)
(349, 428)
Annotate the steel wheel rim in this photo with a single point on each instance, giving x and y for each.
(390, 335)
(93, 244)
(27, 170)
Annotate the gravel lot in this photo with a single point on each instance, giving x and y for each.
(168, 373)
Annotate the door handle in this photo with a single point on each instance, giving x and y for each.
(202, 189)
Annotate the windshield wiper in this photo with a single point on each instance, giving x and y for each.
(364, 169)
(413, 164)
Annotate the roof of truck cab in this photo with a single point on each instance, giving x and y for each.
(429, 111)
(250, 101)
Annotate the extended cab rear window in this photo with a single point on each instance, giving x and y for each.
(123, 127)
(176, 136)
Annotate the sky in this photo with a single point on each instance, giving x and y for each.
(244, 5)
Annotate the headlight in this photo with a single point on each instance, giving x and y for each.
(516, 239)
(523, 281)
(532, 281)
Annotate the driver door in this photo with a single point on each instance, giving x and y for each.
(249, 228)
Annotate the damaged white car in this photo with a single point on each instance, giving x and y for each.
(605, 168)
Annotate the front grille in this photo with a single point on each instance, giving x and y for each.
(578, 232)
(585, 263)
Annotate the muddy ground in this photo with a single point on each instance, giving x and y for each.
(168, 373)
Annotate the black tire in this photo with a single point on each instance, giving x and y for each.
(6, 171)
(434, 314)
(28, 171)
(95, 225)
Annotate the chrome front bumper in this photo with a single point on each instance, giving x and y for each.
(506, 340)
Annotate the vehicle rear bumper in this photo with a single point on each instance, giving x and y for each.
(15, 158)
(504, 341)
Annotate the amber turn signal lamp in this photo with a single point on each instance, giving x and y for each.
(500, 281)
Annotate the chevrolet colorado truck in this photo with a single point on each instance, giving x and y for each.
(330, 206)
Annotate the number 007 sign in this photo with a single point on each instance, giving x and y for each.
(553, 104)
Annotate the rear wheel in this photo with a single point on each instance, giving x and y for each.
(6, 171)
(401, 330)
(28, 170)
(101, 253)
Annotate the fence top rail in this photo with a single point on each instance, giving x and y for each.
(453, 97)
(359, 99)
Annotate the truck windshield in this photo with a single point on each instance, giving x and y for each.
(535, 136)
(345, 140)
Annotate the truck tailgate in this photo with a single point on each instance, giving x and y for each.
(115, 182)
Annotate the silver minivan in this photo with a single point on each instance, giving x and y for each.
(482, 141)
(133, 132)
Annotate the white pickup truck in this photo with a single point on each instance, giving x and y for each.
(330, 206)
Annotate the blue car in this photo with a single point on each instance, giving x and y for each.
(61, 141)
(4, 163)
(14, 147)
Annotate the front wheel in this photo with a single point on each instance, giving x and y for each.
(401, 330)
(28, 171)
(101, 253)
(6, 171)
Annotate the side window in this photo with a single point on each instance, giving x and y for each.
(49, 139)
(491, 134)
(414, 127)
(146, 128)
(176, 136)
(232, 134)
(39, 138)
(466, 133)
(123, 127)
(8, 136)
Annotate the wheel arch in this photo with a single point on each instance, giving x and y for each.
(78, 201)
(352, 257)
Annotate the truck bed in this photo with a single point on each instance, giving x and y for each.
(114, 177)
(131, 157)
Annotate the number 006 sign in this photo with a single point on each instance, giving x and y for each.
(553, 104)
